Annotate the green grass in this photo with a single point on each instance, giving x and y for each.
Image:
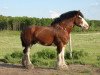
(88, 42)
(9, 42)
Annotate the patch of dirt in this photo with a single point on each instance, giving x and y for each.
(10, 69)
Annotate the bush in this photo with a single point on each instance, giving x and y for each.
(45, 54)
(15, 57)
(44, 57)
(76, 54)
(97, 64)
(98, 57)
(43, 62)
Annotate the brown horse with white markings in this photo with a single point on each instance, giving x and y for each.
(57, 33)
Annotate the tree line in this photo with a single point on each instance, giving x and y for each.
(19, 23)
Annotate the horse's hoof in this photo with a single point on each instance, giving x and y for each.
(23, 64)
(30, 66)
(62, 67)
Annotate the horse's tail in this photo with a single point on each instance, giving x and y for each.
(26, 36)
(22, 40)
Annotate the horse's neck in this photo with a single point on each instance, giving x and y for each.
(67, 25)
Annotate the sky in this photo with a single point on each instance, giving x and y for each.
(49, 8)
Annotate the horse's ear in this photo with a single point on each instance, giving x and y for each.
(79, 13)
(78, 10)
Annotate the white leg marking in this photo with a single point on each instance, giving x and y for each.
(62, 55)
(61, 59)
(28, 56)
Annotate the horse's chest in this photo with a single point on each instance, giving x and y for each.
(63, 37)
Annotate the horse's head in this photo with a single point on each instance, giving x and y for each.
(80, 21)
(73, 16)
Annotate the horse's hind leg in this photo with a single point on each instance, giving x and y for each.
(26, 58)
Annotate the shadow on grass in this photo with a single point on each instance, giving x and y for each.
(9, 65)
(3, 63)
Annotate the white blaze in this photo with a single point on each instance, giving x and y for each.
(84, 24)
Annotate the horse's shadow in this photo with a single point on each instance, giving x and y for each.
(7, 65)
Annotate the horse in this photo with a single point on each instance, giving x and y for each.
(56, 33)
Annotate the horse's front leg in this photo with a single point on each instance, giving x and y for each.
(61, 64)
(26, 58)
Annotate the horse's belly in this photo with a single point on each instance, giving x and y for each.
(45, 39)
(46, 42)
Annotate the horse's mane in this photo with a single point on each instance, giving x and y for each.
(66, 15)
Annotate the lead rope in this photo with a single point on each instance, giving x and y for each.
(70, 46)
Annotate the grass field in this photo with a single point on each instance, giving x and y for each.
(88, 42)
